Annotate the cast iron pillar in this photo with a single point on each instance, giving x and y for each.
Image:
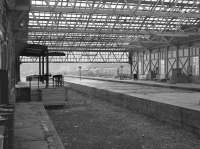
(177, 56)
(150, 61)
(47, 70)
(42, 65)
(166, 62)
(130, 60)
(39, 65)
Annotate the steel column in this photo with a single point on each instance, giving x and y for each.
(159, 59)
(42, 65)
(131, 63)
(166, 62)
(199, 61)
(39, 66)
(177, 56)
(47, 71)
(17, 69)
(143, 62)
(150, 61)
(137, 63)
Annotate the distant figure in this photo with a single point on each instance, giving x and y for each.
(135, 76)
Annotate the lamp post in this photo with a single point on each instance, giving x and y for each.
(80, 71)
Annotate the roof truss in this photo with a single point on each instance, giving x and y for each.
(110, 25)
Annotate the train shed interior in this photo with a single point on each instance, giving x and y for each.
(158, 39)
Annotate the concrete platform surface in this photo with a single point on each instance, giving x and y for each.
(185, 86)
(178, 97)
(33, 128)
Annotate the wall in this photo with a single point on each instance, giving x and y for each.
(7, 48)
(162, 61)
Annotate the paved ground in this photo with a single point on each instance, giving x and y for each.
(187, 86)
(99, 125)
(33, 128)
(179, 97)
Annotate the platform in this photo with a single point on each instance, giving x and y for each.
(179, 107)
(184, 86)
(34, 129)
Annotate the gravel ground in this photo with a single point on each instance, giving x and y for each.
(100, 125)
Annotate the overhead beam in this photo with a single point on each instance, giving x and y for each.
(73, 19)
(69, 47)
(158, 3)
(83, 57)
(90, 50)
(114, 12)
(70, 61)
(87, 47)
(78, 39)
(129, 32)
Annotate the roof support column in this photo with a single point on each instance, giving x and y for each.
(131, 69)
(130, 60)
(39, 78)
(17, 69)
(42, 65)
(150, 63)
(4, 98)
(137, 67)
(150, 60)
(143, 62)
(1, 53)
(189, 70)
(47, 70)
(177, 56)
(166, 62)
(42, 69)
(39, 65)
(159, 59)
(199, 62)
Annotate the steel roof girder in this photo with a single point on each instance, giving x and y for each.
(125, 32)
(112, 12)
(128, 32)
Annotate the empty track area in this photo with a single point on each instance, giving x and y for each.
(96, 124)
